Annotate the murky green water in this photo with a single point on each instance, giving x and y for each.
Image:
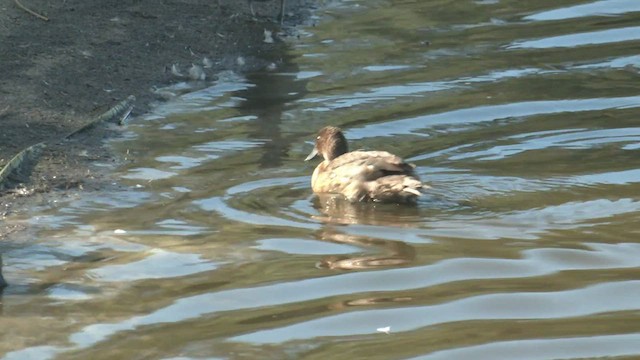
(523, 116)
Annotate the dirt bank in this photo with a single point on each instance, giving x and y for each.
(56, 75)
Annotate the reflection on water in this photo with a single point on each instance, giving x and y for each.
(521, 116)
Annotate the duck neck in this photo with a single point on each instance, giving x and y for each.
(339, 147)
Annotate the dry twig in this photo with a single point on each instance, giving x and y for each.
(4, 111)
(31, 11)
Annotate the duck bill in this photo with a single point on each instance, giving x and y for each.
(313, 154)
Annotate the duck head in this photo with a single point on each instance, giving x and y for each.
(330, 143)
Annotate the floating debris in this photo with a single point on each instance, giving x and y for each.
(21, 164)
(268, 36)
(175, 71)
(386, 329)
(4, 111)
(240, 61)
(196, 72)
(164, 93)
(207, 63)
(120, 112)
(119, 231)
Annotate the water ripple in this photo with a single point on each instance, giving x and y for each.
(525, 245)
(489, 113)
(604, 346)
(596, 8)
(531, 305)
(582, 39)
(568, 138)
(514, 306)
(158, 264)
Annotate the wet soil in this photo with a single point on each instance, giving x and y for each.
(57, 75)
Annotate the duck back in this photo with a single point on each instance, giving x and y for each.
(368, 176)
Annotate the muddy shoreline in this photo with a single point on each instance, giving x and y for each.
(59, 74)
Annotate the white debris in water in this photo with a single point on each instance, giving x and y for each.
(196, 72)
(207, 63)
(119, 231)
(271, 66)
(240, 61)
(386, 329)
(175, 71)
(164, 93)
(268, 36)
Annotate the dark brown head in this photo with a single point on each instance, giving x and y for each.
(330, 143)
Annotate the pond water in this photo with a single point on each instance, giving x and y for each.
(522, 116)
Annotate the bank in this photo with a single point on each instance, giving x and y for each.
(66, 62)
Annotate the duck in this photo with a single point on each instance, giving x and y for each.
(362, 176)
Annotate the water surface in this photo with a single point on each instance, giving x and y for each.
(523, 117)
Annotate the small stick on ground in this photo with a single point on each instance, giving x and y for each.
(31, 11)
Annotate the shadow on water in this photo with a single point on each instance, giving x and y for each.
(523, 119)
(3, 282)
(267, 101)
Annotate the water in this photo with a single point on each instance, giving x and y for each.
(523, 117)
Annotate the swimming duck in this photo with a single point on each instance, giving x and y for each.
(362, 175)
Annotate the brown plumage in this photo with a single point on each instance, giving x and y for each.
(362, 175)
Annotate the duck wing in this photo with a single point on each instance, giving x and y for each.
(370, 165)
(395, 188)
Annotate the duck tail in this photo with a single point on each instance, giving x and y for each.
(396, 188)
(412, 191)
